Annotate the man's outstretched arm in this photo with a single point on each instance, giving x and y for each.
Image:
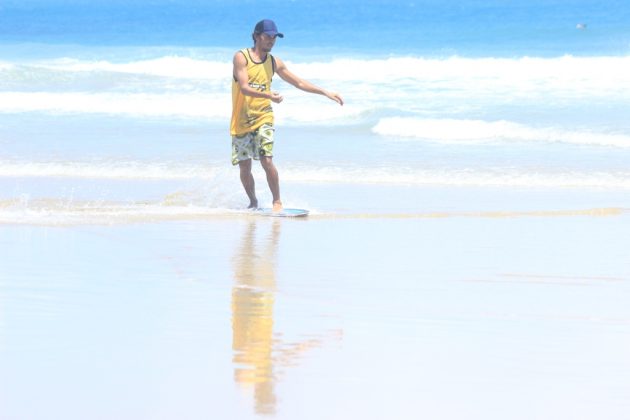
(305, 85)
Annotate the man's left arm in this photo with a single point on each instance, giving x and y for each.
(305, 85)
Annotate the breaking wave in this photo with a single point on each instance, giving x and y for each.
(478, 131)
(187, 87)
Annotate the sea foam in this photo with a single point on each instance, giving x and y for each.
(479, 131)
(192, 87)
(395, 175)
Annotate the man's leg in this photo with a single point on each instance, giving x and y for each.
(247, 179)
(273, 180)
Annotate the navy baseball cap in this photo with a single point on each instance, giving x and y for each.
(268, 27)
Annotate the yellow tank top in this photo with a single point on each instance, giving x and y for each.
(249, 113)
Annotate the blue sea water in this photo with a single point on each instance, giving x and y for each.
(372, 27)
(122, 107)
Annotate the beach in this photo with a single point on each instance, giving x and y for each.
(466, 251)
(440, 316)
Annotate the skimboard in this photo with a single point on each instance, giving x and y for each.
(284, 213)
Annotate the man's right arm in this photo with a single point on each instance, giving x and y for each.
(240, 74)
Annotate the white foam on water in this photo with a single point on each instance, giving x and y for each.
(189, 105)
(479, 131)
(483, 177)
(519, 177)
(107, 170)
(187, 87)
(167, 66)
(60, 212)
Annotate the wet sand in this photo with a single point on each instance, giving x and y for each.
(459, 316)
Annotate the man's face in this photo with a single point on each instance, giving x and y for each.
(266, 42)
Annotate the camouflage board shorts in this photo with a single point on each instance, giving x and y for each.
(253, 145)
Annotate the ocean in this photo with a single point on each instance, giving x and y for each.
(465, 254)
(99, 96)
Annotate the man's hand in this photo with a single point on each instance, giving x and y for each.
(276, 97)
(335, 97)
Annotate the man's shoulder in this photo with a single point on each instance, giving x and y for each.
(277, 63)
(241, 55)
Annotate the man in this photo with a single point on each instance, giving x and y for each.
(251, 126)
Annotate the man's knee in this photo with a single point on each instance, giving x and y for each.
(245, 165)
(267, 162)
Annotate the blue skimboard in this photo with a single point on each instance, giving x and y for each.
(283, 213)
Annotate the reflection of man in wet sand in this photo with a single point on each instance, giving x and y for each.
(252, 315)
(257, 355)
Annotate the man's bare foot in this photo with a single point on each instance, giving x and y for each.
(277, 206)
(253, 205)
